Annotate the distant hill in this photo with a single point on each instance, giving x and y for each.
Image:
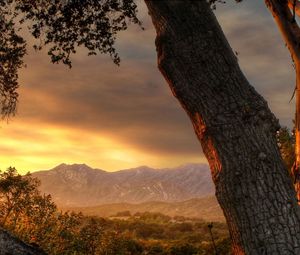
(80, 185)
(206, 208)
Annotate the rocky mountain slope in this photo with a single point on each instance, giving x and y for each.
(80, 185)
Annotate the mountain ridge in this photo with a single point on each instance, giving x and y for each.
(81, 185)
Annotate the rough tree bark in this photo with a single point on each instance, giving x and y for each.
(10, 245)
(284, 15)
(234, 125)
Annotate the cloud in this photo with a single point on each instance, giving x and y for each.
(131, 102)
(117, 117)
(47, 146)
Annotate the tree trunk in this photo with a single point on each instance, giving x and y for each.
(234, 125)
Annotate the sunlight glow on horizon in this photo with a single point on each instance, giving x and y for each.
(114, 118)
(47, 146)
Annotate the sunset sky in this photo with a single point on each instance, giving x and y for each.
(114, 118)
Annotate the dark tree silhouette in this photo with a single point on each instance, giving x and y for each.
(62, 25)
(12, 50)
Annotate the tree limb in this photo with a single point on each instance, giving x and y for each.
(288, 28)
(294, 5)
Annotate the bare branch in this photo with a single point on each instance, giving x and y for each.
(288, 28)
(295, 6)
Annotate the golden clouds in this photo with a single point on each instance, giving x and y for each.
(97, 113)
(119, 117)
(35, 146)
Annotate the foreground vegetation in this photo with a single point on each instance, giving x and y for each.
(35, 219)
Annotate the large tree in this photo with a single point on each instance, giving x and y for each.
(231, 120)
(234, 125)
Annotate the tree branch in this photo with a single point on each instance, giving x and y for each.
(288, 28)
(295, 6)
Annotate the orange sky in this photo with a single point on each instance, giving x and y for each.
(113, 117)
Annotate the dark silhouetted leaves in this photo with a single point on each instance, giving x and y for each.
(62, 25)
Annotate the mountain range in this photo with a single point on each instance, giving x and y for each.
(80, 185)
